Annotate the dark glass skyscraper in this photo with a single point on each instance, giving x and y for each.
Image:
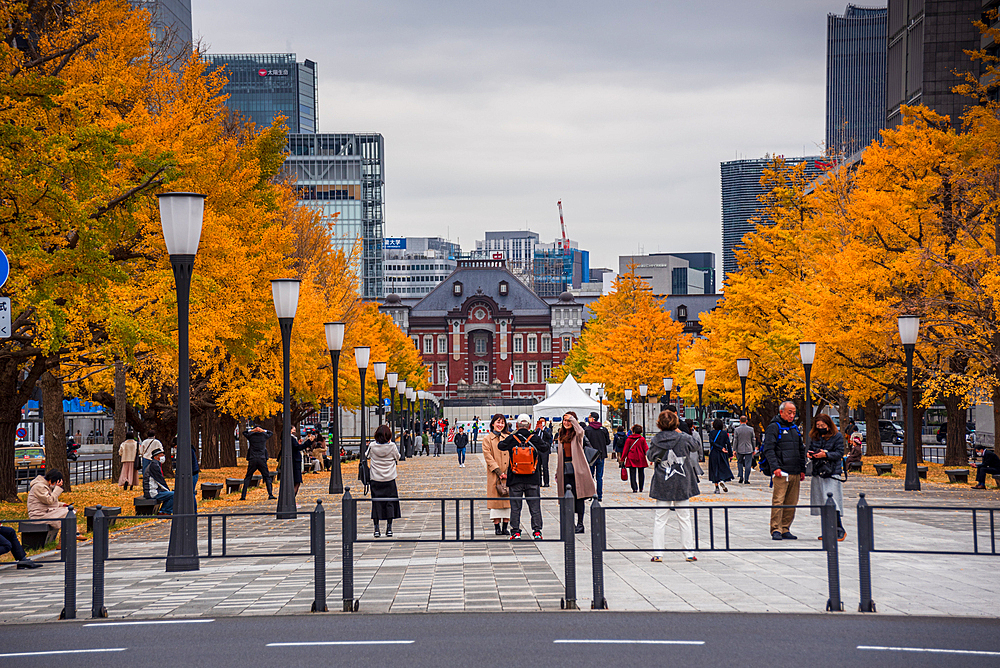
(170, 21)
(855, 78)
(740, 191)
(263, 86)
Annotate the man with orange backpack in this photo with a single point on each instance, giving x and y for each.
(524, 475)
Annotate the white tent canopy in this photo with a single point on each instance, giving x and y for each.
(569, 396)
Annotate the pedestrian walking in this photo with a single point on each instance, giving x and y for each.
(826, 451)
(438, 439)
(257, 459)
(599, 439)
(619, 442)
(784, 457)
(544, 432)
(525, 450)
(719, 454)
(425, 440)
(475, 433)
(382, 456)
(146, 448)
(745, 444)
(673, 455)
(127, 451)
(633, 458)
(497, 463)
(461, 441)
(573, 469)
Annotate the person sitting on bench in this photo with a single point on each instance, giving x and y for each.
(154, 485)
(989, 465)
(10, 543)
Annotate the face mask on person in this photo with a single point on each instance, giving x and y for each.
(161, 459)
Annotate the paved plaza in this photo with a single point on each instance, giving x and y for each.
(499, 575)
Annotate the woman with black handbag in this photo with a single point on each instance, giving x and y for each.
(826, 453)
(718, 456)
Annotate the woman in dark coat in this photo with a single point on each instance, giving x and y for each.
(634, 458)
(719, 455)
(826, 450)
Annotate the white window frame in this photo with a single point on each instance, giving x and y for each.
(518, 372)
(428, 345)
(546, 371)
(416, 342)
(567, 343)
(532, 343)
(546, 343)
(442, 370)
(518, 343)
(475, 345)
(478, 367)
(532, 372)
(442, 344)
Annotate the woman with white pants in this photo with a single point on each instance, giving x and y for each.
(674, 482)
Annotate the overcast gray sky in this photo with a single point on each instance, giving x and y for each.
(493, 111)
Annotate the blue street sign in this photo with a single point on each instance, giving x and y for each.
(385, 402)
(4, 268)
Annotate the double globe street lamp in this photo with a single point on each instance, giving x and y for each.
(909, 331)
(285, 292)
(181, 215)
(335, 343)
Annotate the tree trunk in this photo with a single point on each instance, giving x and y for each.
(843, 409)
(274, 443)
(992, 439)
(55, 426)
(955, 453)
(873, 439)
(227, 440)
(210, 444)
(14, 393)
(120, 420)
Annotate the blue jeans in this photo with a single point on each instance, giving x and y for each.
(597, 470)
(743, 465)
(461, 455)
(167, 497)
(195, 484)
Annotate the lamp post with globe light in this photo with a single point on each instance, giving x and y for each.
(391, 379)
(628, 410)
(643, 390)
(401, 391)
(743, 369)
(699, 379)
(335, 343)
(379, 369)
(285, 292)
(181, 215)
(668, 384)
(909, 331)
(807, 351)
(361, 355)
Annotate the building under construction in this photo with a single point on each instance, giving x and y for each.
(558, 269)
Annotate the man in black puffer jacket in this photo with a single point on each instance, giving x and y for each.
(257, 459)
(786, 457)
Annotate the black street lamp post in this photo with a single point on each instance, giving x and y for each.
(379, 369)
(668, 384)
(181, 215)
(909, 331)
(743, 368)
(401, 391)
(643, 390)
(361, 354)
(628, 410)
(335, 343)
(391, 379)
(699, 379)
(285, 292)
(807, 351)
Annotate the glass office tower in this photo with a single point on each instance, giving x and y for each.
(343, 174)
(170, 22)
(263, 86)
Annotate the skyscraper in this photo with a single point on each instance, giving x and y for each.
(518, 248)
(740, 190)
(263, 86)
(343, 174)
(855, 78)
(927, 44)
(170, 21)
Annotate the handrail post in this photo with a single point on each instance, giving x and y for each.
(68, 557)
(598, 543)
(349, 535)
(569, 548)
(829, 517)
(97, 609)
(317, 534)
(866, 543)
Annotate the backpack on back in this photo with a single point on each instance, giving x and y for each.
(523, 458)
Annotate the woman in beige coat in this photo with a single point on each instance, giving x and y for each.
(497, 463)
(573, 469)
(127, 450)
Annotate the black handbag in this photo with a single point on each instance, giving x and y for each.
(364, 473)
(592, 454)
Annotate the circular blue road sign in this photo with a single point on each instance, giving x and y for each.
(4, 268)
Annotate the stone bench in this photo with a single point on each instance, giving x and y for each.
(144, 506)
(996, 479)
(35, 535)
(883, 468)
(211, 490)
(233, 485)
(109, 511)
(854, 466)
(957, 475)
(255, 481)
(922, 472)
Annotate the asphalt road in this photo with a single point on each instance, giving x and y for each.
(510, 640)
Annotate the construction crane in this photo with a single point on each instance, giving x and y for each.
(562, 224)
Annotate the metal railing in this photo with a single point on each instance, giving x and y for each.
(349, 510)
(828, 511)
(936, 455)
(67, 556)
(89, 470)
(866, 540)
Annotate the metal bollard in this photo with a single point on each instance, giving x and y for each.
(349, 531)
(829, 517)
(598, 543)
(866, 543)
(97, 609)
(569, 546)
(68, 558)
(317, 535)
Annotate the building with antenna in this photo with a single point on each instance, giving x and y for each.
(517, 247)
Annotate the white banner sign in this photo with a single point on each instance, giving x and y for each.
(4, 317)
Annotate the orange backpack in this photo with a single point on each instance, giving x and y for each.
(523, 458)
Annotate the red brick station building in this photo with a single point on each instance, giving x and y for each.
(483, 334)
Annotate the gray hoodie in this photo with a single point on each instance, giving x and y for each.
(382, 458)
(674, 475)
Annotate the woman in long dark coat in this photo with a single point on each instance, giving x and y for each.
(719, 455)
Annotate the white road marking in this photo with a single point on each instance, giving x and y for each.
(592, 641)
(156, 621)
(929, 650)
(64, 651)
(339, 642)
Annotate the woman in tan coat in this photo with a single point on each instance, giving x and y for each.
(573, 469)
(127, 450)
(43, 500)
(497, 463)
